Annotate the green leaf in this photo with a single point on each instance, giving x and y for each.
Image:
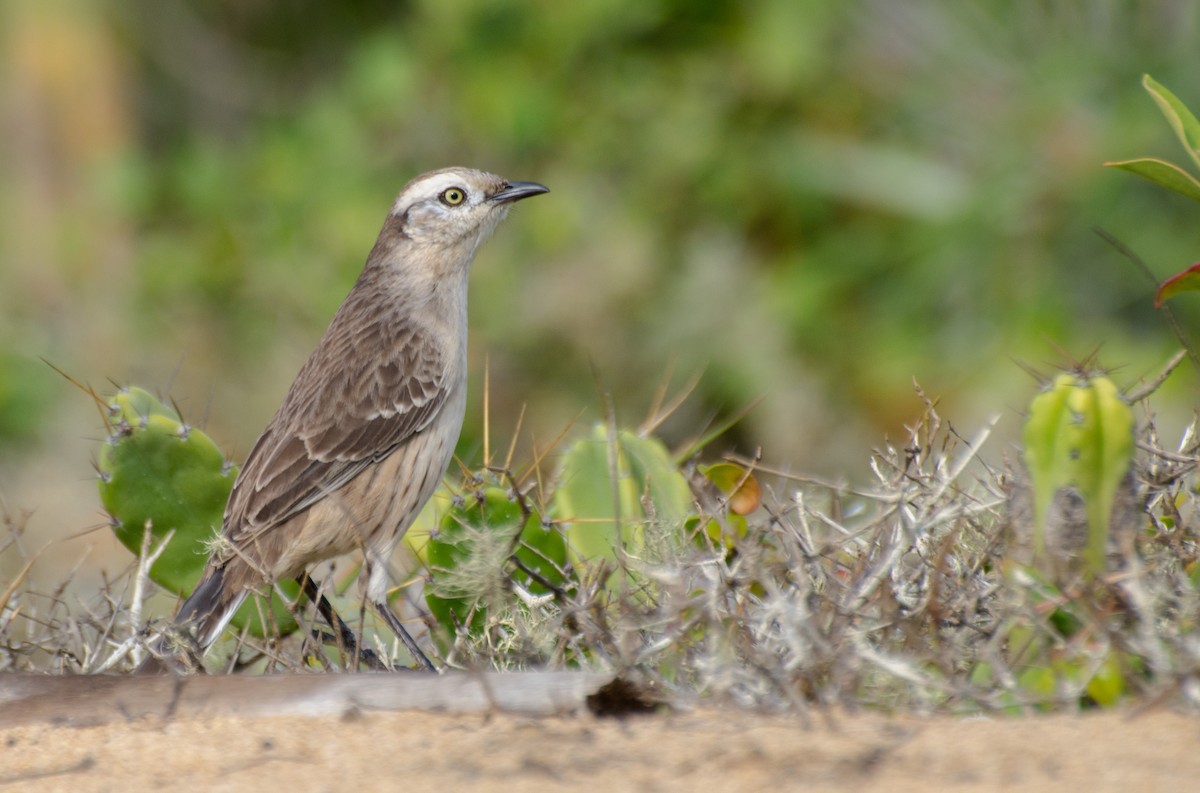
(1040, 684)
(735, 482)
(1186, 281)
(1162, 173)
(1108, 683)
(1186, 127)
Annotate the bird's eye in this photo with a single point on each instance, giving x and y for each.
(453, 196)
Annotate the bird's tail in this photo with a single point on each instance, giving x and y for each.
(210, 606)
(204, 615)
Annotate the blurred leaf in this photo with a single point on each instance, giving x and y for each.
(1186, 281)
(1040, 683)
(1107, 685)
(725, 531)
(737, 484)
(25, 388)
(1186, 127)
(1162, 173)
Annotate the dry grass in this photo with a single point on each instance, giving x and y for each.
(904, 595)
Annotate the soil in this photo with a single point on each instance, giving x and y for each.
(700, 750)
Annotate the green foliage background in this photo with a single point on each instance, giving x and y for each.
(816, 201)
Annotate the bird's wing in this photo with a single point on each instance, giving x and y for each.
(339, 417)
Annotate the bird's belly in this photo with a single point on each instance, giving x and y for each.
(373, 510)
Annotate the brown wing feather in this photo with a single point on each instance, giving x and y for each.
(338, 418)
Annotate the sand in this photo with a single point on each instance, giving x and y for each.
(699, 750)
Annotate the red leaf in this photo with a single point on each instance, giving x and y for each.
(1187, 281)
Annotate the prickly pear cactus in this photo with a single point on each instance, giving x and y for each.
(1078, 439)
(603, 513)
(156, 472)
(469, 558)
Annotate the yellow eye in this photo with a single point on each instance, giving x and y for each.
(453, 196)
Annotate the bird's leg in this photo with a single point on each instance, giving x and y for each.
(397, 627)
(346, 640)
(377, 578)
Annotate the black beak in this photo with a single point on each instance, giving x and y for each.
(515, 191)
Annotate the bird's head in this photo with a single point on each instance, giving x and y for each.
(456, 207)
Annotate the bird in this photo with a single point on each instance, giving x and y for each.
(365, 433)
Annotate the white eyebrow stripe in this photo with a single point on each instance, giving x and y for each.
(432, 186)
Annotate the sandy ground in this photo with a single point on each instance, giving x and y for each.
(721, 750)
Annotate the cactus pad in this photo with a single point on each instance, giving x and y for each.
(159, 473)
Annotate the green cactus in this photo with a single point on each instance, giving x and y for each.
(157, 472)
(469, 558)
(1078, 450)
(603, 514)
(1079, 434)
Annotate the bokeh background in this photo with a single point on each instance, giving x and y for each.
(809, 202)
